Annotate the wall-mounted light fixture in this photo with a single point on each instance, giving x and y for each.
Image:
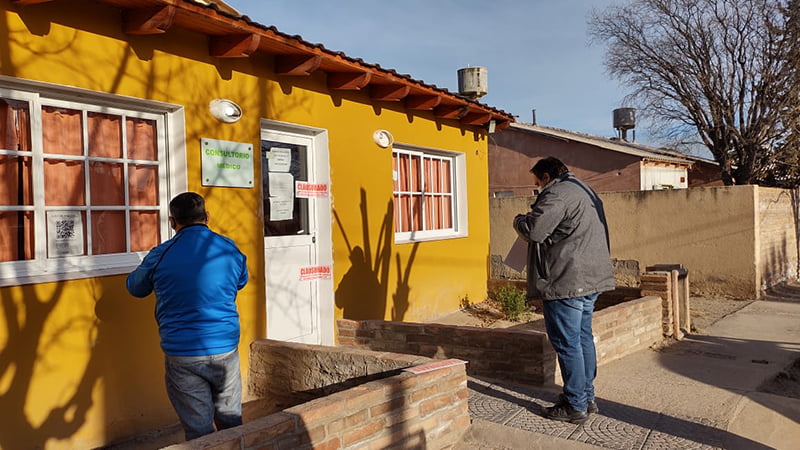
(383, 138)
(225, 110)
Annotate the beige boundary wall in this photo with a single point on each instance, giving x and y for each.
(517, 356)
(734, 240)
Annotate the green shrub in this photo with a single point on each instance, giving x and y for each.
(512, 300)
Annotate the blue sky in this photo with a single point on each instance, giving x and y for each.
(537, 52)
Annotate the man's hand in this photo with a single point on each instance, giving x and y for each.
(522, 226)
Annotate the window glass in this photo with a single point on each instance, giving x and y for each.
(15, 132)
(284, 213)
(62, 131)
(108, 232)
(423, 192)
(145, 227)
(141, 136)
(105, 180)
(17, 185)
(98, 190)
(64, 183)
(143, 184)
(16, 239)
(105, 135)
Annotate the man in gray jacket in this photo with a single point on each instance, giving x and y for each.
(569, 265)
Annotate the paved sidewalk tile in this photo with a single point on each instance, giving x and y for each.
(616, 426)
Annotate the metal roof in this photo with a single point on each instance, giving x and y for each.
(630, 148)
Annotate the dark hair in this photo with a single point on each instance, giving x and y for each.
(551, 166)
(188, 208)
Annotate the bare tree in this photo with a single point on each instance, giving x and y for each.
(723, 69)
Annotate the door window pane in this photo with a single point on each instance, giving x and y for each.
(284, 214)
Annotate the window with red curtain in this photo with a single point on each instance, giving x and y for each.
(423, 192)
(100, 172)
(16, 182)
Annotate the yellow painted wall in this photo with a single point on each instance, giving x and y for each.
(80, 364)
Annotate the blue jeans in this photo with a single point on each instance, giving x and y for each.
(205, 390)
(569, 328)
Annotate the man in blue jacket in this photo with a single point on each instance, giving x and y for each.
(196, 276)
(569, 265)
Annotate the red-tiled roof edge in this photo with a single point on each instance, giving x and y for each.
(297, 37)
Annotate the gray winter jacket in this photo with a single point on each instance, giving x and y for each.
(568, 247)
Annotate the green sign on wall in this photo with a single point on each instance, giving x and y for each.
(226, 163)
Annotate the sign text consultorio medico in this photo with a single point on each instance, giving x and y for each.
(226, 163)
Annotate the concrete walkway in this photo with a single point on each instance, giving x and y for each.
(700, 393)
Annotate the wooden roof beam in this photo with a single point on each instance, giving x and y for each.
(388, 92)
(348, 80)
(425, 102)
(450, 111)
(29, 2)
(297, 65)
(233, 45)
(476, 118)
(142, 21)
(502, 125)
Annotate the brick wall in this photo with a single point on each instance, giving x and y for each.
(627, 328)
(418, 403)
(520, 356)
(777, 233)
(659, 284)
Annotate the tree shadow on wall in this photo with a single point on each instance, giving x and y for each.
(25, 318)
(364, 289)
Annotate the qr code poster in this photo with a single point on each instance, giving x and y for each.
(64, 233)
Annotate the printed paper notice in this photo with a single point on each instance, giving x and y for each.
(280, 209)
(281, 185)
(64, 233)
(280, 159)
(315, 273)
(517, 257)
(305, 189)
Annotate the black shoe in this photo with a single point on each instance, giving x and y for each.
(590, 409)
(565, 413)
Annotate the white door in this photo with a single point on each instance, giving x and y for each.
(297, 244)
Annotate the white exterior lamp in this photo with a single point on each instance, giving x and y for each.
(225, 110)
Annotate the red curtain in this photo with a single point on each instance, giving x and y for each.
(16, 182)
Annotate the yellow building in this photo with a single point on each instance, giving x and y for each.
(354, 191)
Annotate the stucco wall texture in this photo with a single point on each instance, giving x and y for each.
(734, 240)
(83, 365)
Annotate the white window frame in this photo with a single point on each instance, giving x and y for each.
(459, 195)
(172, 179)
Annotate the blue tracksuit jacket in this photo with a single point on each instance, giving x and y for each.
(196, 276)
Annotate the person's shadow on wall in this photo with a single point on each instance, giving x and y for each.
(364, 289)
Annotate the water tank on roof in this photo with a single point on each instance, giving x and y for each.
(473, 82)
(625, 118)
